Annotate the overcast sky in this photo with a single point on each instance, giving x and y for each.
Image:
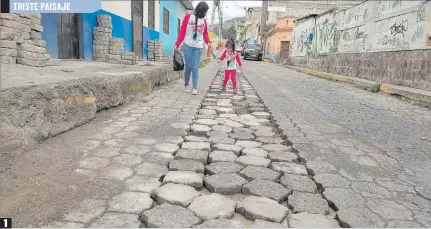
(231, 9)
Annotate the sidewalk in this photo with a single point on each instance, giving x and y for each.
(410, 93)
(38, 103)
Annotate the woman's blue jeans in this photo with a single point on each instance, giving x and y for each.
(192, 56)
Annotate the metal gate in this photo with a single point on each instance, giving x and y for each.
(68, 36)
(284, 49)
(137, 19)
(151, 14)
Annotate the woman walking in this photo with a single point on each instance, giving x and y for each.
(194, 33)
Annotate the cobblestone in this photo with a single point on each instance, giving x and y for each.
(184, 177)
(283, 156)
(116, 220)
(253, 207)
(298, 183)
(308, 202)
(169, 216)
(254, 172)
(193, 154)
(290, 168)
(131, 202)
(253, 160)
(221, 223)
(259, 152)
(186, 165)
(213, 206)
(151, 170)
(175, 194)
(225, 183)
(222, 156)
(223, 167)
(307, 220)
(266, 188)
(143, 184)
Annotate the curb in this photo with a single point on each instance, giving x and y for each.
(30, 114)
(410, 93)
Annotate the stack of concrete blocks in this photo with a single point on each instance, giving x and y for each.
(102, 37)
(109, 49)
(21, 40)
(155, 50)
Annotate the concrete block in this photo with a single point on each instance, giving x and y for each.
(31, 48)
(25, 20)
(13, 31)
(100, 42)
(8, 52)
(103, 30)
(13, 17)
(7, 44)
(25, 36)
(21, 41)
(10, 23)
(34, 63)
(35, 21)
(39, 43)
(6, 36)
(25, 28)
(100, 59)
(100, 47)
(7, 59)
(114, 57)
(37, 27)
(103, 38)
(31, 55)
(35, 35)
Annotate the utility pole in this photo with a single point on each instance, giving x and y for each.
(220, 13)
(215, 5)
(263, 23)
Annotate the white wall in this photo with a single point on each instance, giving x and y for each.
(157, 16)
(145, 19)
(121, 8)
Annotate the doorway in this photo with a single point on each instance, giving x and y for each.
(137, 23)
(284, 49)
(68, 36)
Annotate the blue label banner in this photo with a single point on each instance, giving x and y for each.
(55, 6)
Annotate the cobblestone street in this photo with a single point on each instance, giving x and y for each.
(289, 150)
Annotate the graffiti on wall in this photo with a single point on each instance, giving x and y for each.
(324, 34)
(353, 40)
(388, 7)
(302, 37)
(400, 33)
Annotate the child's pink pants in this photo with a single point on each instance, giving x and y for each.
(232, 74)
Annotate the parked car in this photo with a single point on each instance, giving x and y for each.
(238, 48)
(253, 51)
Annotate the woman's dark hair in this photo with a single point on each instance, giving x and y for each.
(200, 12)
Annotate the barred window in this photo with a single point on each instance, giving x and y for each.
(165, 21)
(151, 14)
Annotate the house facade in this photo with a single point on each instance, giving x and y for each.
(280, 35)
(70, 36)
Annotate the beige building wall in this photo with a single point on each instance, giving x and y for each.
(282, 32)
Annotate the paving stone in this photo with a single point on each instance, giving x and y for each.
(137, 149)
(184, 177)
(207, 122)
(423, 217)
(193, 154)
(298, 183)
(403, 224)
(217, 134)
(321, 167)
(117, 220)
(128, 159)
(222, 156)
(151, 170)
(264, 133)
(228, 115)
(265, 224)
(107, 152)
(222, 128)
(308, 202)
(226, 147)
(269, 140)
(367, 189)
(223, 167)
(169, 216)
(86, 211)
(221, 140)
(196, 146)
(264, 115)
(116, 173)
(131, 202)
(342, 197)
(262, 128)
(158, 158)
(283, 156)
(244, 143)
(166, 148)
(224, 183)
(307, 220)
(175, 194)
(266, 188)
(177, 140)
(200, 130)
(232, 124)
(241, 136)
(221, 223)
(94, 162)
(253, 160)
(243, 130)
(182, 126)
(290, 168)
(186, 165)
(213, 206)
(398, 186)
(330, 180)
(58, 224)
(225, 110)
(143, 184)
(207, 112)
(254, 207)
(413, 202)
(192, 138)
(259, 152)
(277, 147)
(359, 217)
(250, 123)
(254, 172)
(423, 191)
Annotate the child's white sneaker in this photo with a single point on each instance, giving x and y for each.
(195, 91)
(187, 89)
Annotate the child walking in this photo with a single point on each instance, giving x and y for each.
(232, 61)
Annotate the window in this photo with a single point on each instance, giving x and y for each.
(179, 25)
(151, 14)
(165, 21)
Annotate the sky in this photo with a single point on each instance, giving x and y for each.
(231, 9)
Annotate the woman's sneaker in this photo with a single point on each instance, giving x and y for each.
(195, 91)
(187, 89)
